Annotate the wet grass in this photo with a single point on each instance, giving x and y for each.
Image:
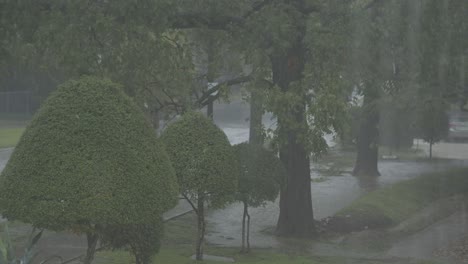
(177, 248)
(392, 205)
(182, 256)
(10, 136)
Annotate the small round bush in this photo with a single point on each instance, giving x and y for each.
(203, 159)
(261, 174)
(142, 240)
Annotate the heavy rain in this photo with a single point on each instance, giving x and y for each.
(248, 131)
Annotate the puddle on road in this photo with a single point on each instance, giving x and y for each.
(328, 197)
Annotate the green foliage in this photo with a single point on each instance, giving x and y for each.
(8, 255)
(87, 159)
(203, 159)
(261, 174)
(125, 41)
(142, 240)
(432, 122)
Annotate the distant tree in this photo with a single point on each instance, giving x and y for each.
(432, 122)
(260, 178)
(205, 165)
(87, 161)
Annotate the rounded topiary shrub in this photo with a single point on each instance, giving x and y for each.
(205, 165)
(261, 174)
(202, 157)
(88, 159)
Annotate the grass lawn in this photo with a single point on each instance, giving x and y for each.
(10, 136)
(181, 256)
(177, 248)
(396, 203)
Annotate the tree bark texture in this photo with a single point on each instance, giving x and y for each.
(367, 142)
(256, 114)
(209, 110)
(248, 229)
(244, 236)
(201, 227)
(91, 250)
(296, 216)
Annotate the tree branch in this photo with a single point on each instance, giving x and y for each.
(191, 204)
(195, 20)
(371, 4)
(256, 7)
(173, 102)
(205, 98)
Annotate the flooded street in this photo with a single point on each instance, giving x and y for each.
(422, 245)
(328, 197)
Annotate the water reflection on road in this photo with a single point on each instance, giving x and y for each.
(328, 197)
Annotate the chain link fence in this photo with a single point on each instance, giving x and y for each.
(17, 102)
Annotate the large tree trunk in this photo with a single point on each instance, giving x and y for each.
(367, 141)
(209, 110)
(430, 149)
(256, 113)
(92, 239)
(201, 227)
(296, 216)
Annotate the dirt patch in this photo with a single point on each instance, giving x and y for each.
(457, 251)
(353, 223)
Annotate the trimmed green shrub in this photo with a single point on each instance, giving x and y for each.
(261, 174)
(205, 165)
(88, 159)
(203, 159)
(143, 240)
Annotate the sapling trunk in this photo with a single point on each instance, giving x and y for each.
(201, 228)
(91, 250)
(243, 250)
(248, 229)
